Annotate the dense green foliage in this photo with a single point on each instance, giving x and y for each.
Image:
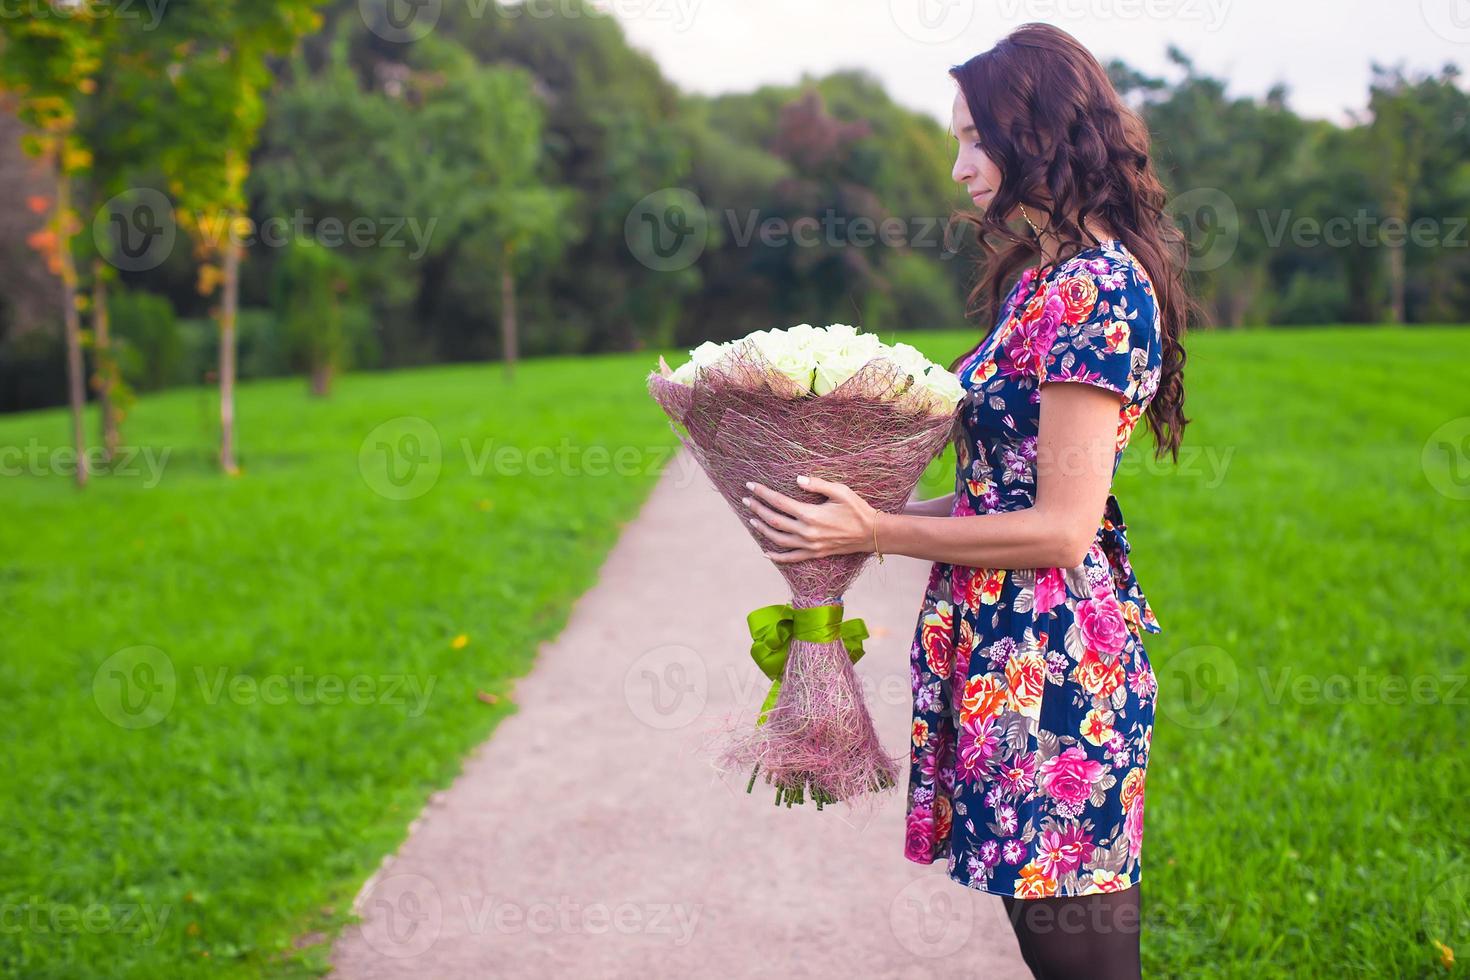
(1300, 811)
(545, 162)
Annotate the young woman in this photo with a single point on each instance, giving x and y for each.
(1033, 694)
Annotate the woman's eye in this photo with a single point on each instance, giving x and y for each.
(976, 145)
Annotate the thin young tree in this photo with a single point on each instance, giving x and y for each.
(212, 108)
(48, 67)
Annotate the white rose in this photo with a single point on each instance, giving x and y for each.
(803, 334)
(701, 357)
(864, 345)
(910, 358)
(940, 390)
(785, 355)
(822, 345)
(836, 367)
(708, 353)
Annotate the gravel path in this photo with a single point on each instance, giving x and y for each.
(590, 836)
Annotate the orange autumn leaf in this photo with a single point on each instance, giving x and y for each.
(210, 276)
(42, 241)
(1446, 955)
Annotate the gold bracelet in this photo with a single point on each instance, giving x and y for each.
(875, 539)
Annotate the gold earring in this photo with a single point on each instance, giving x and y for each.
(1029, 221)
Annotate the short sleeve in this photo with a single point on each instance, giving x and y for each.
(1104, 312)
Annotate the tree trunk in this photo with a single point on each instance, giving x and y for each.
(105, 363)
(1398, 208)
(321, 379)
(72, 326)
(508, 327)
(228, 308)
(1396, 284)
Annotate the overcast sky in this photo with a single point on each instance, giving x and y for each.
(1321, 49)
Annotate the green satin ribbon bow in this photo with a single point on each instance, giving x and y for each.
(772, 628)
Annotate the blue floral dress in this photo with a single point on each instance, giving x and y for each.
(1033, 696)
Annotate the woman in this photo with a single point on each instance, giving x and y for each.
(1033, 694)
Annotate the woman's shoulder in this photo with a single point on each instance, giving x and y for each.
(1115, 281)
(1108, 322)
(1110, 265)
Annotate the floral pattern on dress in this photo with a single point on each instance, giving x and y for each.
(1033, 696)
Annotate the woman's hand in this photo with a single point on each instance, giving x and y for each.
(841, 525)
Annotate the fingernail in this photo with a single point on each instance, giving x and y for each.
(750, 486)
(802, 479)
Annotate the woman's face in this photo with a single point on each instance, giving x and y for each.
(972, 167)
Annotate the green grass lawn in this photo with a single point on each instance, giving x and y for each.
(211, 797)
(226, 698)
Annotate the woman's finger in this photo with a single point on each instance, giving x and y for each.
(775, 518)
(827, 488)
(780, 537)
(789, 557)
(779, 500)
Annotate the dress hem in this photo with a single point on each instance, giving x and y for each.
(991, 891)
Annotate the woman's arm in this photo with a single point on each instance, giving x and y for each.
(1075, 449)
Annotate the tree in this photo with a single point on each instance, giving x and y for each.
(477, 139)
(612, 136)
(1420, 137)
(1400, 134)
(209, 111)
(314, 298)
(447, 138)
(111, 127)
(47, 68)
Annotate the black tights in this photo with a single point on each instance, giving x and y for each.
(1088, 936)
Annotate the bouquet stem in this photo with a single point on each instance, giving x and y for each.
(817, 740)
(820, 796)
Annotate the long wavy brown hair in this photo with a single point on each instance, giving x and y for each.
(1067, 145)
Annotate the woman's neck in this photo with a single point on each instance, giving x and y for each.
(1049, 244)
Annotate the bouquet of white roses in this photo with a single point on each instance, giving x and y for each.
(817, 360)
(842, 405)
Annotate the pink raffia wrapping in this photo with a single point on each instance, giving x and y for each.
(876, 432)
